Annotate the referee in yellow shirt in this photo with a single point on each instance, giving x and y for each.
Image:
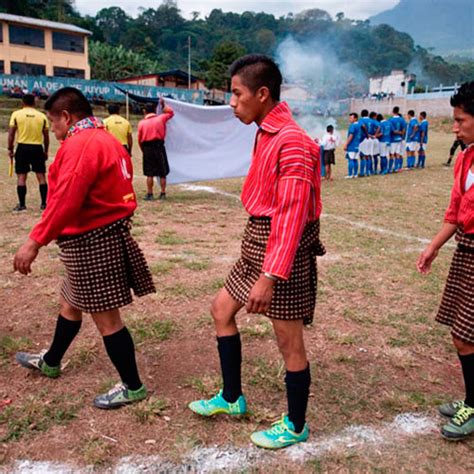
(32, 132)
(119, 127)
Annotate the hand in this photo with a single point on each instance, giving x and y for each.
(45, 155)
(425, 260)
(162, 102)
(260, 296)
(344, 147)
(25, 256)
(11, 154)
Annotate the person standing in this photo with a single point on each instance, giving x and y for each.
(374, 134)
(119, 127)
(456, 144)
(398, 125)
(412, 139)
(276, 274)
(151, 138)
(384, 143)
(457, 304)
(329, 143)
(423, 134)
(30, 127)
(351, 147)
(89, 212)
(364, 145)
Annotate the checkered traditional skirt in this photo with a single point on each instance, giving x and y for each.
(294, 298)
(102, 266)
(457, 305)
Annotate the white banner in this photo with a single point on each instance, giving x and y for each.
(207, 143)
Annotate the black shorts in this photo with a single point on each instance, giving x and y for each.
(29, 158)
(155, 160)
(329, 157)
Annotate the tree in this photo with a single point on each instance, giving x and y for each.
(113, 23)
(109, 63)
(224, 55)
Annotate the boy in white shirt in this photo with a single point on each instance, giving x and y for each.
(329, 142)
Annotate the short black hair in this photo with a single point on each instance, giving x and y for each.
(256, 71)
(71, 100)
(28, 99)
(396, 110)
(364, 113)
(150, 108)
(464, 98)
(373, 114)
(411, 113)
(423, 114)
(354, 114)
(113, 109)
(329, 128)
(379, 117)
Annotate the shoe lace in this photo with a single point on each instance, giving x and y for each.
(278, 427)
(462, 415)
(117, 388)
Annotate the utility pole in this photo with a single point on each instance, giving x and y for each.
(189, 62)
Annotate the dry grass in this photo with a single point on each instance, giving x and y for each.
(374, 347)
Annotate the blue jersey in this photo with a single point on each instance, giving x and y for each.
(386, 130)
(424, 128)
(365, 122)
(374, 125)
(398, 124)
(355, 131)
(412, 135)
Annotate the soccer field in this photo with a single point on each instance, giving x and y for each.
(374, 348)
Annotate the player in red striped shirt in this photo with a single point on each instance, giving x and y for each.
(276, 274)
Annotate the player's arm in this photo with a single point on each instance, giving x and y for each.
(46, 142)
(349, 139)
(11, 141)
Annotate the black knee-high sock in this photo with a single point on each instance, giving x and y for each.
(467, 364)
(230, 353)
(21, 191)
(66, 331)
(121, 350)
(43, 188)
(297, 392)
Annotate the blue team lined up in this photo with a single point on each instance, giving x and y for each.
(376, 145)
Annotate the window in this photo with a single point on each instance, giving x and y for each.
(1, 32)
(68, 72)
(67, 42)
(2, 67)
(25, 69)
(28, 36)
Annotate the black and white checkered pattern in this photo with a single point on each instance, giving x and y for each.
(294, 298)
(102, 266)
(457, 305)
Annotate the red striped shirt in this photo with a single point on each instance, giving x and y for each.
(461, 206)
(283, 183)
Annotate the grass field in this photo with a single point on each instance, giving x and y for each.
(374, 348)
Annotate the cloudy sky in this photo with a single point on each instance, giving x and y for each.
(356, 9)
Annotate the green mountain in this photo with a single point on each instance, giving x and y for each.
(447, 26)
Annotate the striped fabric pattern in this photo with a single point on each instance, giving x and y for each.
(283, 183)
(457, 305)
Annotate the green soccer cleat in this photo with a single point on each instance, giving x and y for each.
(36, 362)
(460, 426)
(218, 404)
(280, 435)
(118, 396)
(450, 409)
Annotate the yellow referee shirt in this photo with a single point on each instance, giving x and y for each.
(30, 124)
(118, 127)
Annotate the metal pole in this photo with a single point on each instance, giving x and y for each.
(189, 62)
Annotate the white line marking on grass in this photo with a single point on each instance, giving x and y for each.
(209, 189)
(212, 459)
(360, 225)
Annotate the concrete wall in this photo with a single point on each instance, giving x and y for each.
(437, 107)
(46, 56)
